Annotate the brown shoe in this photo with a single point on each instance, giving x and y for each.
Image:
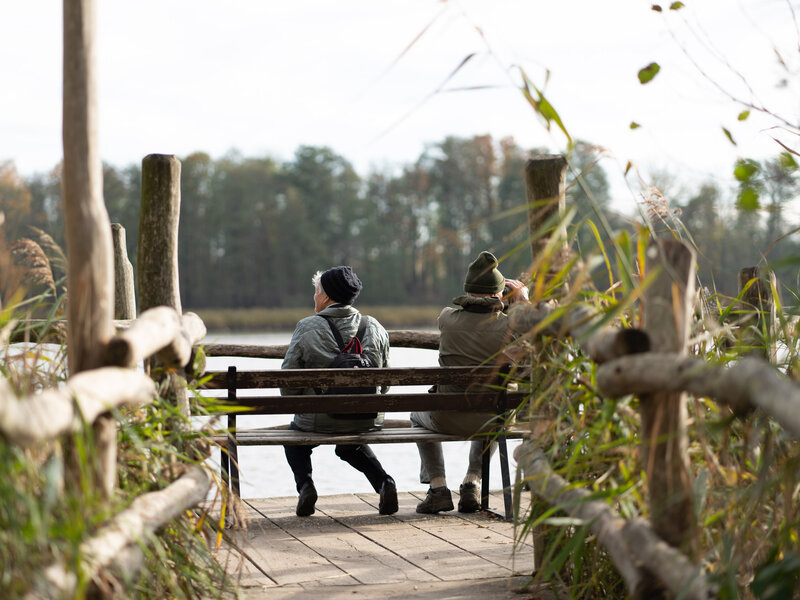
(470, 500)
(436, 500)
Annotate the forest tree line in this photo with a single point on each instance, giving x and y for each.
(254, 230)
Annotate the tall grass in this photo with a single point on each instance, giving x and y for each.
(44, 521)
(746, 471)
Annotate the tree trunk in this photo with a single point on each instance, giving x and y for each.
(90, 282)
(667, 311)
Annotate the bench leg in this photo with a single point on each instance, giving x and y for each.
(233, 456)
(506, 476)
(485, 458)
(224, 464)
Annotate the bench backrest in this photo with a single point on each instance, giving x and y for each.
(486, 390)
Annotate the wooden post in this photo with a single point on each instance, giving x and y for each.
(157, 258)
(667, 313)
(545, 190)
(757, 300)
(124, 292)
(88, 234)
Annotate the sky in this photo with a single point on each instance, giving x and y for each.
(378, 81)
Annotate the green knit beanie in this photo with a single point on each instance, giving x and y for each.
(483, 276)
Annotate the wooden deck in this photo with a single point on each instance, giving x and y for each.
(347, 550)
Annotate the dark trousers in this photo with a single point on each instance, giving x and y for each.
(361, 458)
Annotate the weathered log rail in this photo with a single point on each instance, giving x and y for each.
(90, 395)
(650, 364)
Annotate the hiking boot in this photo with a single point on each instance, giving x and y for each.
(436, 500)
(307, 500)
(470, 500)
(388, 501)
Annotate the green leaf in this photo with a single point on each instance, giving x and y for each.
(729, 136)
(777, 580)
(787, 162)
(743, 115)
(646, 75)
(748, 199)
(634, 125)
(676, 6)
(745, 169)
(542, 106)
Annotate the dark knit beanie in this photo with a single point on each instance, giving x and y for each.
(341, 284)
(483, 276)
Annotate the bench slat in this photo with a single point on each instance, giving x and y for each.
(360, 403)
(392, 376)
(278, 437)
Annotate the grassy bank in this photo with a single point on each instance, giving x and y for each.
(244, 319)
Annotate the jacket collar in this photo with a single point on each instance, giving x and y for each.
(338, 310)
(480, 304)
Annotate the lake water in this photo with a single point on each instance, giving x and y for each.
(264, 471)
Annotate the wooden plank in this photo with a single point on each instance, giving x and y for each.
(403, 535)
(384, 436)
(520, 588)
(349, 533)
(480, 533)
(340, 544)
(397, 376)
(285, 558)
(241, 570)
(493, 520)
(359, 403)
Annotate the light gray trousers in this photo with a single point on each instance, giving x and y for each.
(465, 424)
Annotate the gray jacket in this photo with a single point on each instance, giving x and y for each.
(313, 347)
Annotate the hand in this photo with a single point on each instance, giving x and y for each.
(518, 291)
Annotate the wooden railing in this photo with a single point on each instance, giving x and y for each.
(80, 402)
(652, 365)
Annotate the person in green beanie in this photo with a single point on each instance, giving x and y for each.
(475, 331)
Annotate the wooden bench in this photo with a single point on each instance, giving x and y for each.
(495, 398)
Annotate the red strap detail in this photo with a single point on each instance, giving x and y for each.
(352, 347)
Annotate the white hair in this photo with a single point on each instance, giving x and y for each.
(316, 280)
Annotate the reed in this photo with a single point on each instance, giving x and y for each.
(745, 471)
(44, 522)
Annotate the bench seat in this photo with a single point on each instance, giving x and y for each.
(396, 432)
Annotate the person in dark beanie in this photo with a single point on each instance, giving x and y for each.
(313, 346)
(471, 334)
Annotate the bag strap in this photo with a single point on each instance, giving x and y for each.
(362, 328)
(336, 335)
